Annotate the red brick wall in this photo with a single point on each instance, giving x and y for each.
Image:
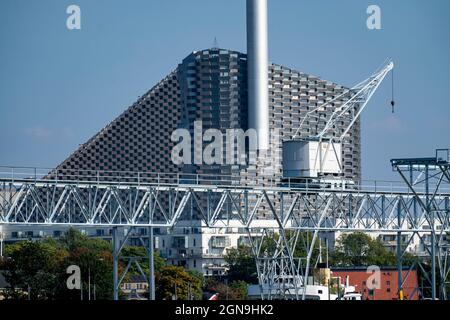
(388, 284)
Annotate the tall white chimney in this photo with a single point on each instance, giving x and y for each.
(257, 70)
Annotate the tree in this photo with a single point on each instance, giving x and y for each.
(175, 281)
(33, 270)
(302, 246)
(237, 290)
(198, 275)
(241, 261)
(240, 289)
(141, 253)
(359, 249)
(94, 258)
(241, 264)
(40, 267)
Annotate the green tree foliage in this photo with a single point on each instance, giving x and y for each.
(176, 281)
(198, 275)
(236, 290)
(34, 268)
(141, 253)
(303, 242)
(240, 287)
(359, 249)
(40, 267)
(241, 264)
(94, 258)
(241, 261)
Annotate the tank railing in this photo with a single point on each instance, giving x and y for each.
(159, 178)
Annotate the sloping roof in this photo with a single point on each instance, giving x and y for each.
(136, 279)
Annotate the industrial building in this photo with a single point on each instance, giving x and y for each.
(208, 86)
(386, 289)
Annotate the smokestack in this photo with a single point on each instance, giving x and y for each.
(257, 71)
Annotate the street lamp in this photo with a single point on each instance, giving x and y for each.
(1, 244)
(89, 281)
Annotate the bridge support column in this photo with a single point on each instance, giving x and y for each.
(116, 252)
(151, 264)
(430, 214)
(399, 252)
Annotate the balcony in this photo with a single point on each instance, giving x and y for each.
(220, 242)
(179, 242)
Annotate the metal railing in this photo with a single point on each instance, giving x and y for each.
(13, 174)
(42, 174)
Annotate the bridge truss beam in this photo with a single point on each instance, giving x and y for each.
(287, 212)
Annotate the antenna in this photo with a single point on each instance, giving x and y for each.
(215, 43)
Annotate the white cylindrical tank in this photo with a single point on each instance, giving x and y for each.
(257, 70)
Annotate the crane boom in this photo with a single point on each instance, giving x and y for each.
(360, 95)
(320, 154)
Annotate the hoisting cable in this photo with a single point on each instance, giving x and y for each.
(392, 91)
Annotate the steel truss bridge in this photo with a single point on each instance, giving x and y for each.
(419, 209)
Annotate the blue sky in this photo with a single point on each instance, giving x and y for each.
(59, 87)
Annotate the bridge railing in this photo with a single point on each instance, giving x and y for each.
(116, 177)
(40, 174)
